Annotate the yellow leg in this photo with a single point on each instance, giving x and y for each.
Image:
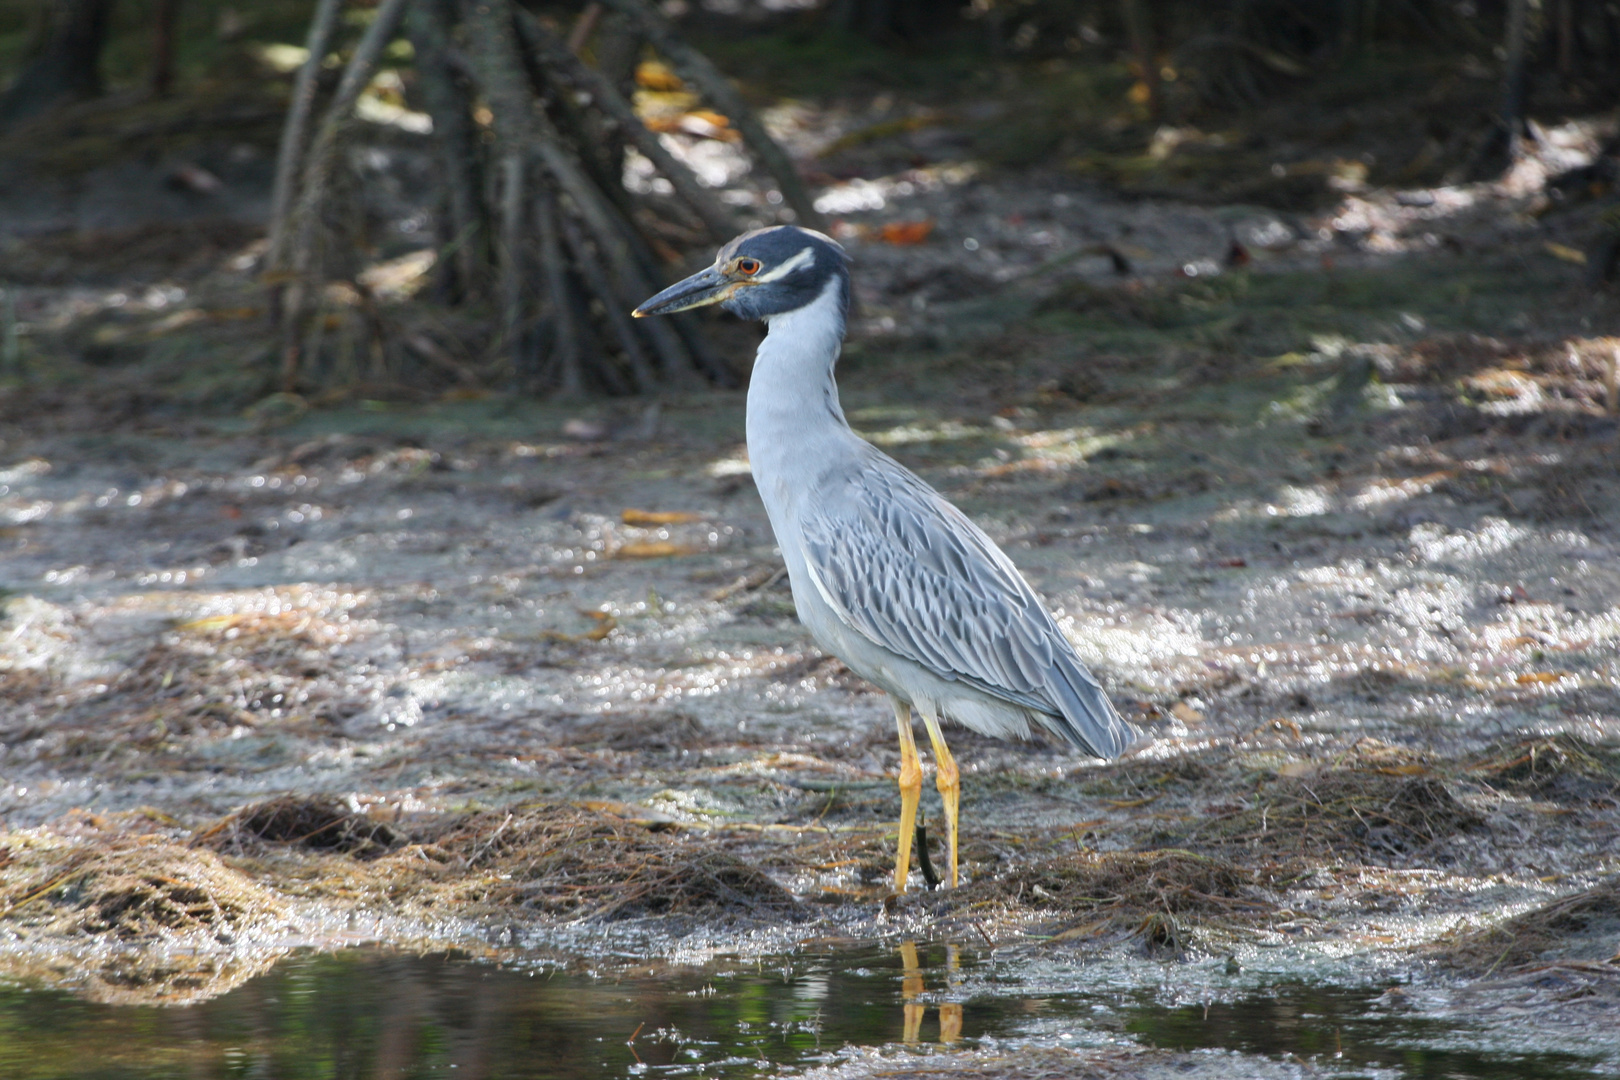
(950, 1023)
(910, 789)
(950, 1014)
(948, 778)
(910, 986)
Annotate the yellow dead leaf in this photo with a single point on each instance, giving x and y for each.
(605, 625)
(1530, 678)
(211, 624)
(653, 75)
(709, 116)
(661, 549)
(1566, 253)
(658, 517)
(1186, 713)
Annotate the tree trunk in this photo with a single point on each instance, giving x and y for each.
(164, 18)
(289, 157)
(1513, 77)
(699, 71)
(67, 66)
(297, 245)
(430, 28)
(539, 240)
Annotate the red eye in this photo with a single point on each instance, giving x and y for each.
(748, 267)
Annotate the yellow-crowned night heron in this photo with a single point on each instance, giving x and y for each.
(888, 576)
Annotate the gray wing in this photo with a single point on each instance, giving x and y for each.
(910, 572)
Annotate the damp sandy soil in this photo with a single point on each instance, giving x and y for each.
(1335, 527)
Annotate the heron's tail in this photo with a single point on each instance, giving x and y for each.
(1086, 717)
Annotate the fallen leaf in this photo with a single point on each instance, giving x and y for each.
(712, 117)
(661, 549)
(1532, 677)
(653, 75)
(1565, 252)
(658, 517)
(211, 624)
(1186, 713)
(605, 625)
(906, 232)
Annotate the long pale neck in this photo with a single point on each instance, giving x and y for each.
(793, 410)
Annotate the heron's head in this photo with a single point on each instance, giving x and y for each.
(761, 273)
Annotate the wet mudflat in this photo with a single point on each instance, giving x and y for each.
(525, 679)
(908, 1009)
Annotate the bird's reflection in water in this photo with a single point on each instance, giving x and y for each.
(911, 987)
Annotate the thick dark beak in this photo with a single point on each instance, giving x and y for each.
(704, 287)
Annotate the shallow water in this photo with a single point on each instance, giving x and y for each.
(373, 1013)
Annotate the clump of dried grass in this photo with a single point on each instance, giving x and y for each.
(319, 824)
(579, 863)
(1525, 939)
(131, 892)
(1369, 809)
(1151, 894)
(1144, 779)
(1559, 767)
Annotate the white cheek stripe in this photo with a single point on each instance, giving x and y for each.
(803, 258)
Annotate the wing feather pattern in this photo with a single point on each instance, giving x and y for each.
(913, 574)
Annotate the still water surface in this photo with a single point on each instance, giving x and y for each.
(370, 1014)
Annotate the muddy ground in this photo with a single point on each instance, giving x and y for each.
(1332, 517)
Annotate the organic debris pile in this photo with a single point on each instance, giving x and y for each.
(1582, 929)
(316, 824)
(1560, 768)
(1146, 893)
(130, 892)
(585, 864)
(1374, 808)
